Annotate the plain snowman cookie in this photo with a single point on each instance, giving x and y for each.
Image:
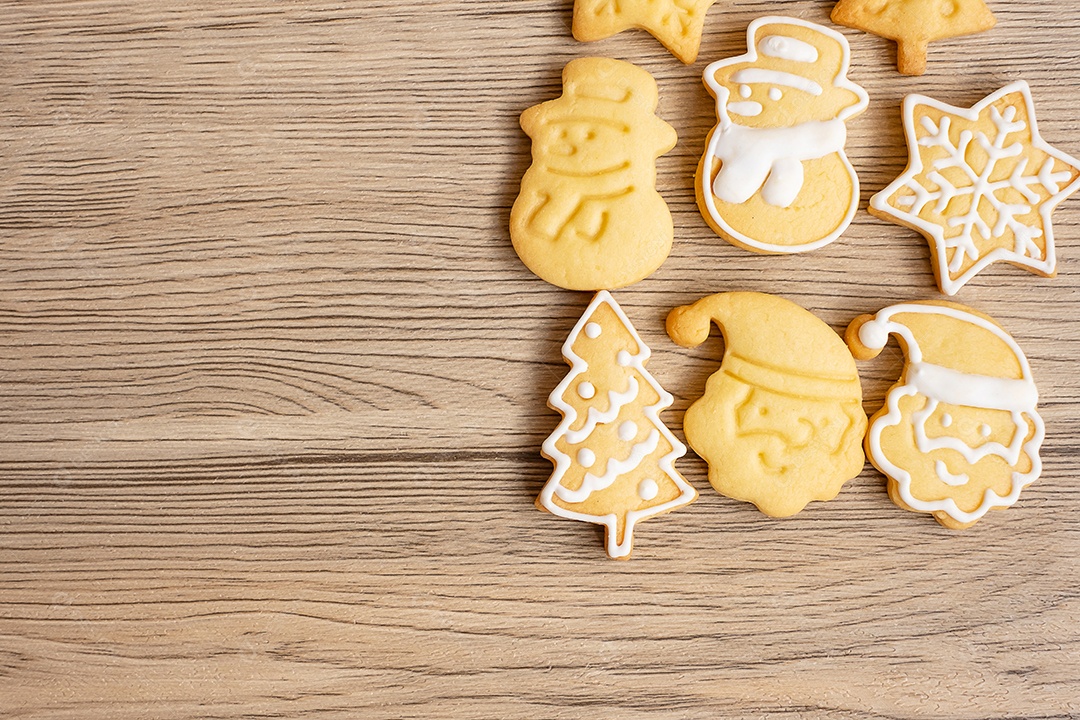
(677, 24)
(614, 458)
(781, 422)
(588, 216)
(774, 177)
(959, 434)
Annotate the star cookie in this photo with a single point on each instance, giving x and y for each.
(980, 184)
(677, 24)
(914, 24)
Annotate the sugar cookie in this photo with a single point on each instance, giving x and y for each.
(614, 457)
(914, 24)
(959, 434)
(774, 177)
(677, 24)
(980, 184)
(588, 216)
(781, 423)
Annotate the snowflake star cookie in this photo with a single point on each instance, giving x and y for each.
(677, 24)
(614, 457)
(588, 216)
(774, 177)
(781, 422)
(980, 185)
(959, 434)
(914, 24)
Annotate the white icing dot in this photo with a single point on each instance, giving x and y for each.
(586, 390)
(628, 431)
(586, 457)
(775, 94)
(745, 91)
(984, 430)
(946, 420)
(623, 358)
(874, 335)
(647, 489)
(592, 330)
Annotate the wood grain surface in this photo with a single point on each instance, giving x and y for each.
(273, 383)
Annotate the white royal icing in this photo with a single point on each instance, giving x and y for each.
(788, 48)
(648, 489)
(586, 390)
(586, 458)
(747, 108)
(615, 468)
(774, 94)
(947, 477)
(628, 431)
(616, 402)
(752, 76)
(593, 330)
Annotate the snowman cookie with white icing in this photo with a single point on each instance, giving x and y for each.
(959, 434)
(774, 177)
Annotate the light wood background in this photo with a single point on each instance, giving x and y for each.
(273, 382)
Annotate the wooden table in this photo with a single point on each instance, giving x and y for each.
(273, 389)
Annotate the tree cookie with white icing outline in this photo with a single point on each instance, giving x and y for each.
(588, 216)
(781, 422)
(959, 434)
(614, 458)
(677, 24)
(774, 177)
(980, 185)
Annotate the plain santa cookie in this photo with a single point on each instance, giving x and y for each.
(774, 177)
(614, 458)
(588, 216)
(980, 184)
(677, 24)
(959, 434)
(781, 422)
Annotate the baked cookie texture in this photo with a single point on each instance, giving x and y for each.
(677, 24)
(781, 422)
(588, 216)
(980, 185)
(774, 177)
(914, 24)
(959, 434)
(614, 458)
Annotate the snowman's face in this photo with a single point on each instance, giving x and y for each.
(583, 145)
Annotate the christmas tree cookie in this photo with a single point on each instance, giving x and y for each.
(914, 24)
(781, 422)
(588, 216)
(959, 434)
(614, 457)
(677, 24)
(774, 177)
(980, 184)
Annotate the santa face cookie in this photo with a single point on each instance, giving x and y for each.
(588, 216)
(614, 458)
(781, 423)
(774, 177)
(914, 24)
(959, 434)
(980, 184)
(677, 24)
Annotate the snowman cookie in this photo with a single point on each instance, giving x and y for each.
(588, 216)
(614, 458)
(781, 422)
(774, 177)
(959, 434)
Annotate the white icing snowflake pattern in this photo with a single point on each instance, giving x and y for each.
(1009, 179)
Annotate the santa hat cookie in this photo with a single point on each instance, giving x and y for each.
(959, 434)
(781, 422)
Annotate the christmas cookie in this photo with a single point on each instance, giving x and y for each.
(774, 177)
(588, 216)
(914, 24)
(614, 457)
(980, 185)
(675, 23)
(781, 423)
(959, 434)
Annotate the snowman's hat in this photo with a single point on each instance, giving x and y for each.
(771, 343)
(955, 355)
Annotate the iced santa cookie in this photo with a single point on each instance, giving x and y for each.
(614, 458)
(914, 24)
(588, 216)
(781, 423)
(774, 177)
(677, 24)
(980, 185)
(959, 434)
